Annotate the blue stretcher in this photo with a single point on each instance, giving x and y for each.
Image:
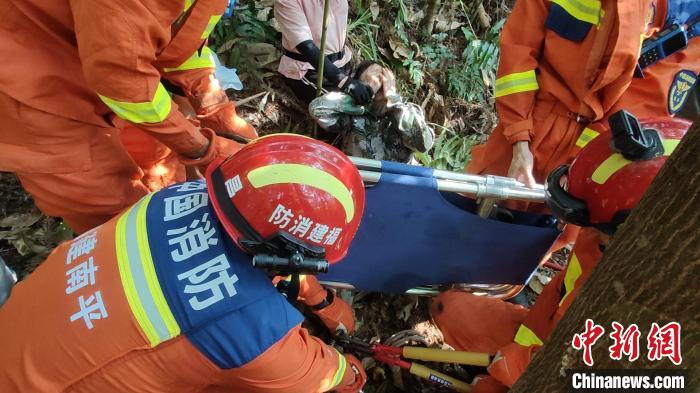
(413, 235)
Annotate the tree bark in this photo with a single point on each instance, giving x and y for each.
(428, 21)
(649, 273)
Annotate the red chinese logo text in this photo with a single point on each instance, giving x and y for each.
(662, 342)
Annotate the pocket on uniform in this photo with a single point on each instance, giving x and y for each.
(566, 25)
(46, 159)
(33, 141)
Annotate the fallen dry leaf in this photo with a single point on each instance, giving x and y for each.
(264, 14)
(18, 220)
(226, 46)
(374, 9)
(399, 48)
(416, 17)
(275, 25)
(442, 26)
(260, 48)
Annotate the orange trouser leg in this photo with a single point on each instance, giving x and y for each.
(84, 196)
(87, 199)
(476, 324)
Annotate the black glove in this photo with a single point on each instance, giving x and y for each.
(360, 92)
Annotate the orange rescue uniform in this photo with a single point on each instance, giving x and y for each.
(78, 72)
(550, 88)
(509, 329)
(131, 307)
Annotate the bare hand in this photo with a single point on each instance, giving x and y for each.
(522, 164)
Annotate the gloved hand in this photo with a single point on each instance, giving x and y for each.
(355, 365)
(335, 314)
(215, 111)
(360, 92)
(333, 311)
(311, 292)
(218, 147)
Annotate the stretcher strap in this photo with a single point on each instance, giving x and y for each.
(403, 169)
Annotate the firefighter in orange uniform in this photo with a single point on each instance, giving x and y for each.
(604, 184)
(80, 72)
(165, 297)
(566, 65)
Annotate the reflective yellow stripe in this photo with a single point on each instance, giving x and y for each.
(573, 272)
(188, 4)
(308, 176)
(616, 162)
(153, 111)
(210, 26)
(138, 277)
(516, 83)
(150, 272)
(583, 10)
(205, 59)
(527, 337)
(127, 281)
(339, 373)
(586, 136)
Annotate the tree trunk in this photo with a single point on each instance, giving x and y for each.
(429, 18)
(649, 273)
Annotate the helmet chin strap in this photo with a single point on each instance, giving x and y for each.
(564, 205)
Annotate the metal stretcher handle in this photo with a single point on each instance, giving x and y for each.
(376, 166)
(481, 189)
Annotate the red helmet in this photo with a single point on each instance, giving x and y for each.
(284, 195)
(610, 175)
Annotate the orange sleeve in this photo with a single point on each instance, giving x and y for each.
(665, 86)
(194, 82)
(516, 84)
(117, 44)
(297, 363)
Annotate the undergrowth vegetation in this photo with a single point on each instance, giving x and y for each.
(449, 72)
